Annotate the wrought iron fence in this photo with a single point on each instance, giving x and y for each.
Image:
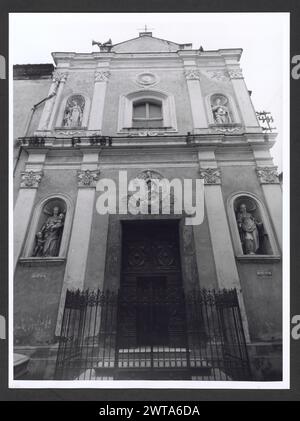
(191, 336)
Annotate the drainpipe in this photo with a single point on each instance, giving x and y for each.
(29, 119)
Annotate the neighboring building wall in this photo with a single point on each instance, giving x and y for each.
(31, 85)
(38, 285)
(260, 277)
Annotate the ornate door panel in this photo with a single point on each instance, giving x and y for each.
(151, 298)
(152, 314)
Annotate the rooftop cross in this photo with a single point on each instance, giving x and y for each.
(145, 29)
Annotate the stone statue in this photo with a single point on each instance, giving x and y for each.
(39, 245)
(73, 113)
(248, 229)
(48, 238)
(220, 112)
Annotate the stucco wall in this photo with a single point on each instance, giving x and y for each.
(262, 293)
(26, 93)
(37, 286)
(36, 299)
(78, 82)
(172, 82)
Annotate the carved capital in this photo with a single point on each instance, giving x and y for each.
(59, 77)
(210, 175)
(87, 178)
(235, 74)
(31, 179)
(102, 76)
(267, 175)
(192, 74)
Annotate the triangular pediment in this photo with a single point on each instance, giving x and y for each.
(145, 43)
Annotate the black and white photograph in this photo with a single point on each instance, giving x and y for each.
(149, 188)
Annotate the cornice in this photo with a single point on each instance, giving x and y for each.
(57, 56)
(231, 143)
(228, 54)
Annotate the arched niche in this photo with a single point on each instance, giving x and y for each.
(73, 112)
(222, 109)
(126, 104)
(53, 214)
(250, 225)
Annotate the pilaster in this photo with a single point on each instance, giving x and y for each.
(30, 180)
(243, 97)
(102, 75)
(55, 92)
(192, 75)
(226, 269)
(74, 276)
(61, 78)
(268, 178)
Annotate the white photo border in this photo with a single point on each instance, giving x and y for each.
(189, 384)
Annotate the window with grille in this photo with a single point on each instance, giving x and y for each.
(147, 114)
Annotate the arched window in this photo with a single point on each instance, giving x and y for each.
(49, 229)
(147, 114)
(147, 109)
(251, 229)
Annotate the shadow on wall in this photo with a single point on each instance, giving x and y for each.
(266, 362)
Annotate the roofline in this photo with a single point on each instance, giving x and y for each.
(223, 52)
(150, 36)
(33, 71)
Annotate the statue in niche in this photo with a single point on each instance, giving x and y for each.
(48, 238)
(248, 230)
(39, 245)
(74, 111)
(220, 110)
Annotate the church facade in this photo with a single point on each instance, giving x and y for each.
(144, 295)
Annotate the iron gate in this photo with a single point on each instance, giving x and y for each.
(203, 337)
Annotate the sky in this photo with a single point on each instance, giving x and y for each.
(264, 38)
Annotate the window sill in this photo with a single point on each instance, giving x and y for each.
(261, 258)
(41, 261)
(70, 128)
(139, 131)
(225, 125)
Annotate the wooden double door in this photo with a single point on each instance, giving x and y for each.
(151, 303)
